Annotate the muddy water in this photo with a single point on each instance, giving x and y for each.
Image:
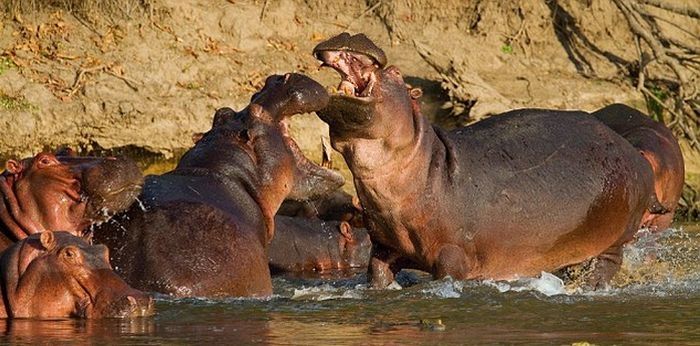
(656, 300)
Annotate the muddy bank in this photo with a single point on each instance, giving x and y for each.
(150, 81)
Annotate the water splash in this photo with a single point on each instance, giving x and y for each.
(547, 284)
(445, 288)
(325, 292)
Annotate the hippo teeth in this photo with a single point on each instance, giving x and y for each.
(369, 86)
(346, 87)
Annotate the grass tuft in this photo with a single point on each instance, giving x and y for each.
(14, 103)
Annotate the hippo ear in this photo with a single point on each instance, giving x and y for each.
(346, 231)
(14, 166)
(221, 115)
(47, 240)
(197, 136)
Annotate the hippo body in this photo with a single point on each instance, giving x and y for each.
(58, 275)
(660, 148)
(309, 245)
(527, 191)
(63, 192)
(203, 228)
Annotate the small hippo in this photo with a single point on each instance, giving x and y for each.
(523, 192)
(658, 146)
(58, 275)
(204, 228)
(304, 245)
(51, 192)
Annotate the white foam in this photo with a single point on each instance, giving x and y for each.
(324, 292)
(547, 284)
(446, 288)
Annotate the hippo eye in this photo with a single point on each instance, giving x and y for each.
(45, 161)
(70, 254)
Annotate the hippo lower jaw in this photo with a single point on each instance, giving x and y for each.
(128, 306)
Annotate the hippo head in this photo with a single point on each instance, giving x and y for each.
(371, 98)
(65, 192)
(55, 274)
(355, 246)
(267, 151)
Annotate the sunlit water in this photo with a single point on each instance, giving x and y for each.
(655, 299)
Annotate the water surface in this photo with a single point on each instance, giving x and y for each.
(655, 299)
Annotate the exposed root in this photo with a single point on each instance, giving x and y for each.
(678, 56)
(669, 6)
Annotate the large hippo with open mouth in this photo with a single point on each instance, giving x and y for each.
(658, 146)
(63, 192)
(527, 191)
(58, 275)
(203, 229)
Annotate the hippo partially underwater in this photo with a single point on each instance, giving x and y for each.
(203, 229)
(526, 191)
(58, 275)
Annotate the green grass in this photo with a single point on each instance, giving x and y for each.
(655, 108)
(507, 49)
(14, 103)
(5, 64)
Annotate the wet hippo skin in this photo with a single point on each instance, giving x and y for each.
(63, 192)
(57, 275)
(203, 228)
(311, 245)
(658, 146)
(526, 191)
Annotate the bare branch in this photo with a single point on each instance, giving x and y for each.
(680, 9)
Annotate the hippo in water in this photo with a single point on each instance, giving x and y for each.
(306, 245)
(203, 229)
(658, 146)
(527, 191)
(51, 192)
(58, 275)
(322, 236)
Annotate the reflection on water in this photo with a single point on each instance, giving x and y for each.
(655, 299)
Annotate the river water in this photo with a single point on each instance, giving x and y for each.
(655, 299)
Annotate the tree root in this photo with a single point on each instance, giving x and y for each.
(665, 51)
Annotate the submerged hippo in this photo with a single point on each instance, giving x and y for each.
(63, 192)
(527, 191)
(58, 275)
(311, 245)
(204, 228)
(658, 146)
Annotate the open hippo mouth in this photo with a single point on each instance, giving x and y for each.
(357, 59)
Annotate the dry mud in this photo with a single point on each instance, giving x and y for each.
(147, 83)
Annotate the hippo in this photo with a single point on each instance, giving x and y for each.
(203, 228)
(660, 148)
(58, 275)
(51, 192)
(335, 206)
(304, 245)
(516, 194)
